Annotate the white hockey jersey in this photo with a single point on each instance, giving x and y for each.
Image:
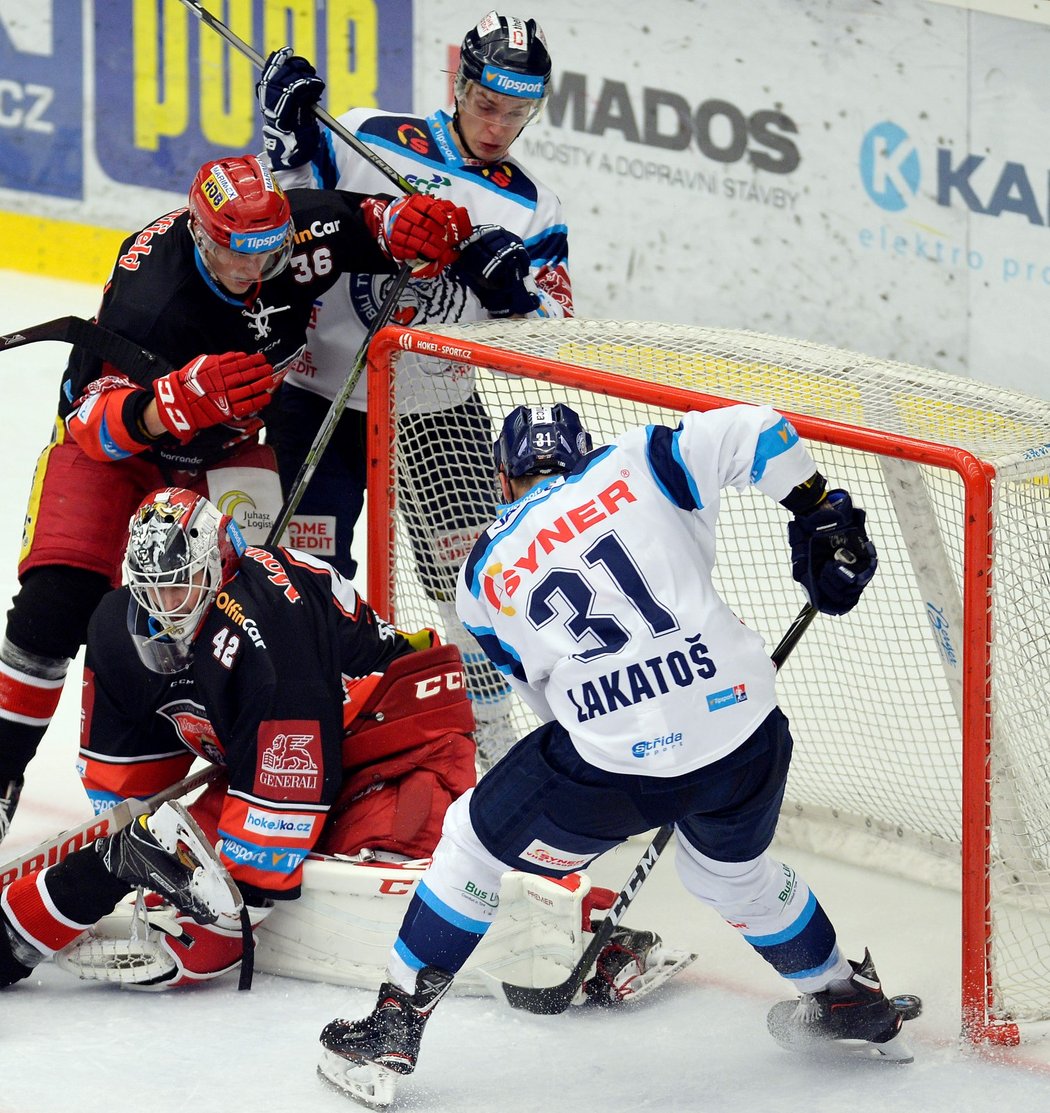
(423, 152)
(593, 593)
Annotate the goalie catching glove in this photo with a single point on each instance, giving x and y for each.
(495, 264)
(213, 389)
(287, 91)
(831, 555)
(419, 230)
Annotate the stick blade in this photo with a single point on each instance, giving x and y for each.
(546, 1001)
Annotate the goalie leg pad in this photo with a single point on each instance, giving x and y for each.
(164, 953)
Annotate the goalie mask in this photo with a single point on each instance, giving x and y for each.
(540, 440)
(237, 209)
(181, 550)
(505, 56)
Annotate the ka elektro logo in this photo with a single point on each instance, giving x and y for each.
(889, 166)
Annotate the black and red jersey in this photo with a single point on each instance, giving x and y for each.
(160, 297)
(278, 668)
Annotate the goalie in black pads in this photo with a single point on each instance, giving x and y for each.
(658, 706)
(332, 729)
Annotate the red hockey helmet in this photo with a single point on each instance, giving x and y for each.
(181, 550)
(237, 205)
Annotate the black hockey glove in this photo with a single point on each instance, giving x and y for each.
(831, 555)
(287, 90)
(495, 264)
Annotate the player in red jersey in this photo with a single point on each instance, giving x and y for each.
(221, 293)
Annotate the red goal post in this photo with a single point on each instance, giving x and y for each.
(901, 709)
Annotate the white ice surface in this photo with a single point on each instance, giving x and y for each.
(71, 1047)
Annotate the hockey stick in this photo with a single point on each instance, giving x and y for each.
(55, 849)
(325, 117)
(551, 1000)
(335, 410)
(93, 338)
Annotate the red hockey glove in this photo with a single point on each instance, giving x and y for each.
(212, 389)
(419, 230)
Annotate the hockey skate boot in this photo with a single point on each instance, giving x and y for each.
(622, 965)
(9, 795)
(168, 853)
(852, 1010)
(361, 1057)
(17, 956)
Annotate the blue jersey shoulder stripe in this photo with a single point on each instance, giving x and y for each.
(771, 444)
(663, 453)
(551, 246)
(503, 656)
(323, 165)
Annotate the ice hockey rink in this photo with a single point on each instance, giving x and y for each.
(700, 1043)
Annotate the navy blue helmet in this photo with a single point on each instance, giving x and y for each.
(507, 55)
(540, 440)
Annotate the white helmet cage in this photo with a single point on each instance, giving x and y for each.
(181, 549)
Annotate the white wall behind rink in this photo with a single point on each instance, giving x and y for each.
(870, 175)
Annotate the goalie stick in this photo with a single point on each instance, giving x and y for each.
(56, 849)
(551, 1000)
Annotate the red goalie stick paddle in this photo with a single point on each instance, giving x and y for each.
(551, 1000)
(56, 849)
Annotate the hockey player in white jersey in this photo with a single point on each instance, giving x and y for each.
(658, 707)
(515, 264)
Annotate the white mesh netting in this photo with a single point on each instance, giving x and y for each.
(874, 697)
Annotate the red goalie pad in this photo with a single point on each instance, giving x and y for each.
(408, 755)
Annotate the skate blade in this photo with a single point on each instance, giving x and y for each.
(670, 962)
(368, 1084)
(898, 1050)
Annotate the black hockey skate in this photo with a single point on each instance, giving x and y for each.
(168, 853)
(621, 966)
(9, 795)
(361, 1057)
(854, 1016)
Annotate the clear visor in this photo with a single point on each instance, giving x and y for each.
(158, 652)
(255, 266)
(496, 108)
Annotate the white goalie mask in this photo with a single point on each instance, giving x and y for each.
(181, 550)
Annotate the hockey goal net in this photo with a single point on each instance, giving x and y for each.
(921, 717)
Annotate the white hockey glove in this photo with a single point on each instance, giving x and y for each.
(287, 91)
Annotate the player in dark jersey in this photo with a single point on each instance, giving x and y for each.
(266, 662)
(221, 293)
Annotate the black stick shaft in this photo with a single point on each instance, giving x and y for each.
(551, 1000)
(325, 117)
